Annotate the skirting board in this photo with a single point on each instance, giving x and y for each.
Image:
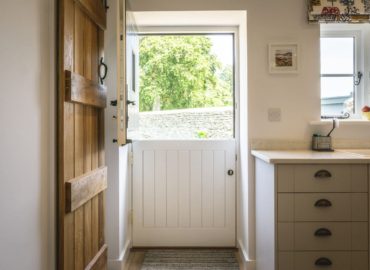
(118, 264)
(247, 264)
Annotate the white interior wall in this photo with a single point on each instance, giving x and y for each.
(26, 135)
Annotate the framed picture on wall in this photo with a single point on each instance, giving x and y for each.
(283, 58)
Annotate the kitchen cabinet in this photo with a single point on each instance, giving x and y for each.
(312, 211)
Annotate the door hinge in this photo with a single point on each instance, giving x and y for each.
(236, 157)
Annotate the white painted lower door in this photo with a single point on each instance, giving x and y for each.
(182, 193)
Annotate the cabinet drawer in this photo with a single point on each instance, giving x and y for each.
(340, 260)
(322, 207)
(322, 178)
(314, 236)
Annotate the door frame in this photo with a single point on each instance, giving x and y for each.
(212, 29)
(52, 183)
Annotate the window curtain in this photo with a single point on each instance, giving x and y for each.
(338, 11)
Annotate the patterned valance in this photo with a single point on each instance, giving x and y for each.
(339, 11)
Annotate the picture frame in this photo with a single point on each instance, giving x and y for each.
(283, 57)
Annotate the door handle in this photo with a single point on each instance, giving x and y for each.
(230, 172)
(103, 70)
(323, 262)
(130, 102)
(322, 174)
(323, 232)
(323, 203)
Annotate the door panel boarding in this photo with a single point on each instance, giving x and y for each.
(183, 194)
(82, 175)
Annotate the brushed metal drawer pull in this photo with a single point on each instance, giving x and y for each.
(323, 203)
(323, 262)
(322, 174)
(323, 232)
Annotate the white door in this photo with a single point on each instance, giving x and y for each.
(184, 193)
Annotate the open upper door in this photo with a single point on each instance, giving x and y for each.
(127, 92)
(82, 174)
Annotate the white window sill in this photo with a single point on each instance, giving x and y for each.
(343, 122)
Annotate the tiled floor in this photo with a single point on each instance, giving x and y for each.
(136, 259)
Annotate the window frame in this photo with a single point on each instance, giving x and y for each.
(358, 91)
(208, 30)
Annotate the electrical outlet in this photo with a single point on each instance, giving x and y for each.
(274, 114)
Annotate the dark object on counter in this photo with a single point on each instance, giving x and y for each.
(321, 143)
(324, 143)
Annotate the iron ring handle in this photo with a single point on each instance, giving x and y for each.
(322, 174)
(102, 77)
(323, 262)
(323, 203)
(323, 232)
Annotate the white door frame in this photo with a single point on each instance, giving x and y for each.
(245, 174)
(234, 30)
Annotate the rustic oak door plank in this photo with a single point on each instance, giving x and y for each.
(87, 168)
(79, 212)
(82, 173)
(95, 10)
(84, 91)
(88, 140)
(101, 153)
(65, 135)
(95, 142)
(79, 138)
(85, 187)
(99, 262)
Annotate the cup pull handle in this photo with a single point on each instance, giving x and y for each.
(323, 203)
(322, 174)
(323, 232)
(323, 262)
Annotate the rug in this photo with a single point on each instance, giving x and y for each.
(190, 259)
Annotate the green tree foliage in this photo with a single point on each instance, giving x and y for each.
(179, 72)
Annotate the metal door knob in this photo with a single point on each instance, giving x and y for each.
(230, 172)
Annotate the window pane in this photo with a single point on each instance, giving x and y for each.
(336, 95)
(337, 55)
(186, 87)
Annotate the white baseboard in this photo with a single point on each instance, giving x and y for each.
(118, 264)
(247, 263)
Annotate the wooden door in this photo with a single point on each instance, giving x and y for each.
(184, 193)
(82, 175)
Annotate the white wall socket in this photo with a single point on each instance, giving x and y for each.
(274, 114)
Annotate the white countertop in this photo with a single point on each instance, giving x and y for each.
(311, 157)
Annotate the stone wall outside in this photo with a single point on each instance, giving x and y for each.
(203, 123)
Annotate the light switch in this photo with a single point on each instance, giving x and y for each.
(274, 114)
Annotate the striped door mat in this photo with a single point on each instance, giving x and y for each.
(190, 259)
